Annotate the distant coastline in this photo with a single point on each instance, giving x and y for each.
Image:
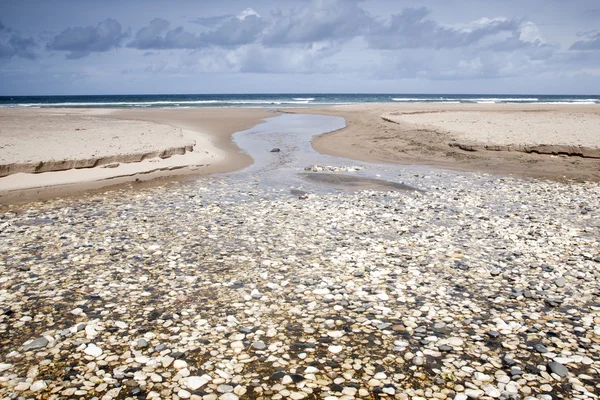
(279, 100)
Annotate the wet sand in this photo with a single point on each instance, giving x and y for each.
(545, 141)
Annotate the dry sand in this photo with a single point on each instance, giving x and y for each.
(78, 149)
(547, 141)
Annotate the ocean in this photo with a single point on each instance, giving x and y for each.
(271, 100)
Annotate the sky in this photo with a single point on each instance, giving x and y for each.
(299, 46)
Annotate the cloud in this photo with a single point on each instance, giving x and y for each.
(592, 42)
(320, 20)
(157, 36)
(243, 29)
(258, 59)
(12, 44)
(81, 41)
(211, 22)
(231, 31)
(413, 29)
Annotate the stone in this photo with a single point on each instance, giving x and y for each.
(335, 349)
(196, 382)
(275, 150)
(560, 282)
(93, 350)
(36, 344)
(455, 342)
(260, 345)
(558, 369)
(5, 367)
(37, 386)
(224, 388)
(474, 393)
(142, 343)
(492, 391)
(540, 348)
(121, 325)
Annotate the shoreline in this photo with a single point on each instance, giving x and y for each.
(182, 142)
(374, 134)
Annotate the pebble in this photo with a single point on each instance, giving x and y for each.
(229, 396)
(335, 349)
(224, 388)
(560, 282)
(37, 386)
(558, 369)
(179, 364)
(455, 342)
(260, 345)
(93, 350)
(209, 289)
(196, 382)
(35, 344)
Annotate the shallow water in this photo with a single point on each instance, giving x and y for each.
(285, 170)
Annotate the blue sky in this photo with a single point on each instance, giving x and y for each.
(234, 46)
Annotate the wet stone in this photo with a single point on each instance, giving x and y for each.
(558, 369)
(540, 348)
(277, 376)
(35, 344)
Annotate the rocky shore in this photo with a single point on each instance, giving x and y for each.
(474, 286)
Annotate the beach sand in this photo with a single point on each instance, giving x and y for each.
(82, 149)
(546, 141)
(46, 152)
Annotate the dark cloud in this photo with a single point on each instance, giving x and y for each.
(232, 31)
(153, 37)
(81, 41)
(320, 20)
(413, 29)
(12, 44)
(592, 42)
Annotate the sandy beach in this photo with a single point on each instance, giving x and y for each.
(80, 149)
(58, 151)
(546, 141)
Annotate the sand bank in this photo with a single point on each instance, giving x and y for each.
(548, 141)
(53, 151)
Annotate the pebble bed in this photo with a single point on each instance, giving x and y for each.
(475, 286)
